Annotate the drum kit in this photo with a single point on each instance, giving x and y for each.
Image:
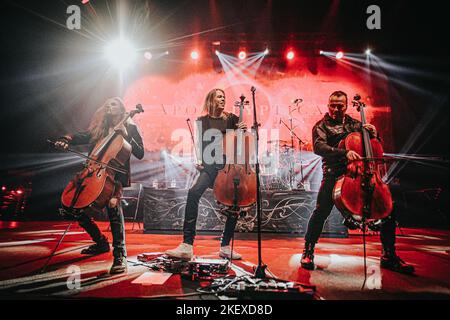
(282, 168)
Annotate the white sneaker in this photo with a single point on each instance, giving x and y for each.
(225, 252)
(184, 251)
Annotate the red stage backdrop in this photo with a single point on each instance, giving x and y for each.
(169, 100)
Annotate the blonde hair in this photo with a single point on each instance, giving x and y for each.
(208, 105)
(99, 126)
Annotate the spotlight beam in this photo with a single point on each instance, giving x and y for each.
(233, 66)
(400, 69)
(382, 74)
(418, 133)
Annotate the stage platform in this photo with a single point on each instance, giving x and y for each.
(283, 211)
(25, 246)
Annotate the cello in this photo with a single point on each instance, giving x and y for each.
(94, 186)
(361, 194)
(235, 185)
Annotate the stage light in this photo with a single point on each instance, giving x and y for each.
(3, 188)
(242, 55)
(266, 52)
(320, 52)
(167, 53)
(148, 55)
(217, 52)
(290, 55)
(19, 191)
(195, 55)
(339, 55)
(120, 53)
(368, 52)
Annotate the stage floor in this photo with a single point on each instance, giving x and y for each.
(25, 246)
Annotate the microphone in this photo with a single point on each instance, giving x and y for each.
(357, 97)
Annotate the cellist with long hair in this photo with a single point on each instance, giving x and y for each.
(214, 117)
(104, 121)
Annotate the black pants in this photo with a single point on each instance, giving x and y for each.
(204, 180)
(117, 223)
(323, 209)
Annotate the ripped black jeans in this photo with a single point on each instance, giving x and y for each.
(116, 221)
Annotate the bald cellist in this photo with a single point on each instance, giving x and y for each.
(327, 133)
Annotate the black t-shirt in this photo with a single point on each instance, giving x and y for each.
(222, 124)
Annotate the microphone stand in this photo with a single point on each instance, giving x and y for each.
(297, 102)
(260, 270)
(291, 158)
(301, 162)
(300, 142)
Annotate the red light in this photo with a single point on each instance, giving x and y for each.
(3, 188)
(19, 191)
(195, 55)
(242, 55)
(290, 55)
(339, 55)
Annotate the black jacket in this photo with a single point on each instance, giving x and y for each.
(326, 134)
(134, 138)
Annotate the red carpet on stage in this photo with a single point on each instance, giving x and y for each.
(25, 247)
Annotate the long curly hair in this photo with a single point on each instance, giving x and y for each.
(99, 126)
(208, 105)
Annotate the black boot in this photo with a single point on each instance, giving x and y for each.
(389, 260)
(100, 247)
(119, 264)
(307, 261)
